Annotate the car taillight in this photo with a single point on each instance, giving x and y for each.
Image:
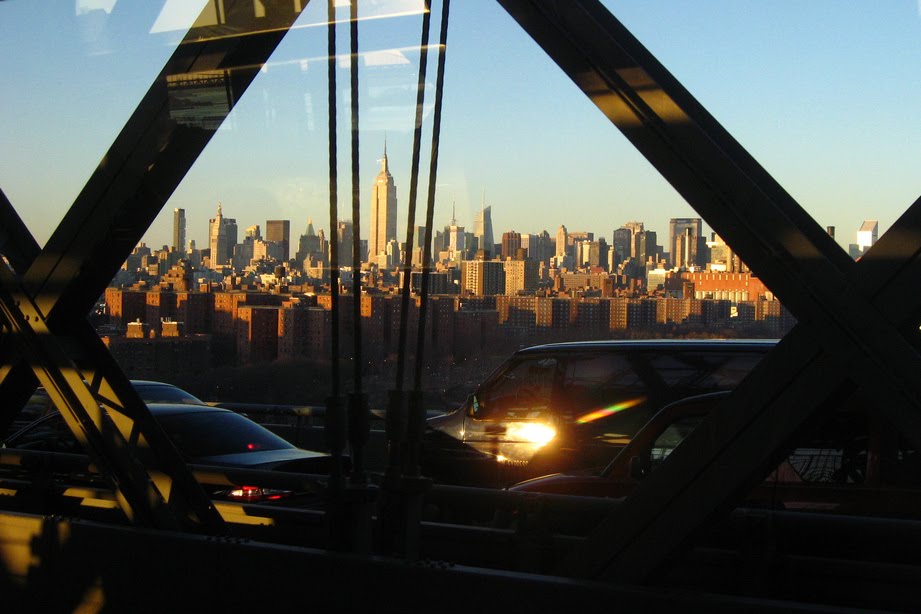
(254, 494)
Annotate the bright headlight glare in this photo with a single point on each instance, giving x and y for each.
(531, 432)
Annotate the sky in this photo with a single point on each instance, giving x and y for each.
(824, 94)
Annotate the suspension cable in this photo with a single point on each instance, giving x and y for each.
(414, 180)
(333, 199)
(430, 204)
(356, 197)
(334, 424)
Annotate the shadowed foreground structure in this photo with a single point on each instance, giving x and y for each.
(149, 539)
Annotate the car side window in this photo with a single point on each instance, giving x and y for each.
(51, 435)
(524, 387)
(696, 372)
(670, 438)
(595, 381)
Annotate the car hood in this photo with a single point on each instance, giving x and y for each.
(289, 459)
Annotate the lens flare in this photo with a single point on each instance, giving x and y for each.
(531, 432)
(608, 411)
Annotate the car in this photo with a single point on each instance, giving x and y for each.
(204, 435)
(39, 404)
(850, 460)
(570, 406)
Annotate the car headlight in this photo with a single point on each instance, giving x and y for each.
(531, 432)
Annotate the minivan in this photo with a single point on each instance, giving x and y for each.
(572, 406)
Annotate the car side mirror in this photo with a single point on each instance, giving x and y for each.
(639, 468)
(473, 406)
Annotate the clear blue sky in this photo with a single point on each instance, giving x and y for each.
(825, 94)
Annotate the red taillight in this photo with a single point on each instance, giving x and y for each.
(254, 494)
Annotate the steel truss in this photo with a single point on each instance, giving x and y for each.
(47, 293)
(857, 328)
(852, 317)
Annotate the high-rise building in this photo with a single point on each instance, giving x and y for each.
(632, 228)
(279, 231)
(308, 244)
(540, 247)
(344, 236)
(562, 241)
(222, 237)
(686, 241)
(482, 277)
(511, 243)
(482, 229)
(179, 230)
(867, 235)
(456, 240)
(520, 276)
(383, 210)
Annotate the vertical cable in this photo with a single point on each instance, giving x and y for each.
(359, 412)
(335, 431)
(414, 180)
(333, 198)
(430, 204)
(356, 197)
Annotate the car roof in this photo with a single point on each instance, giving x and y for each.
(147, 382)
(652, 344)
(163, 409)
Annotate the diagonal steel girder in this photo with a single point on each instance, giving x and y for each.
(47, 293)
(850, 333)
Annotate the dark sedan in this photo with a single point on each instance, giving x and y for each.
(150, 392)
(204, 435)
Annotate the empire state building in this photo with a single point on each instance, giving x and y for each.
(383, 211)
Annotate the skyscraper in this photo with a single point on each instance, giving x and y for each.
(482, 229)
(222, 237)
(308, 244)
(867, 235)
(684, 240)
(562, 241)
(511, 241)
(457, 244)
(179, 230)
(623, 244)
(383, 210)
(633, 228)
(344, 236)
(279, 231)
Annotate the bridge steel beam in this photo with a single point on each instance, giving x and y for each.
(849, 334)
(243, 575)
(47, 293)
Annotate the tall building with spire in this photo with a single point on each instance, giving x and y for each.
(222, 237)
(455, 239)
(308, 244)
(383, 210)
(482, 228)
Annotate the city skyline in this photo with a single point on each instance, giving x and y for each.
(519, 131)
(864, 236)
